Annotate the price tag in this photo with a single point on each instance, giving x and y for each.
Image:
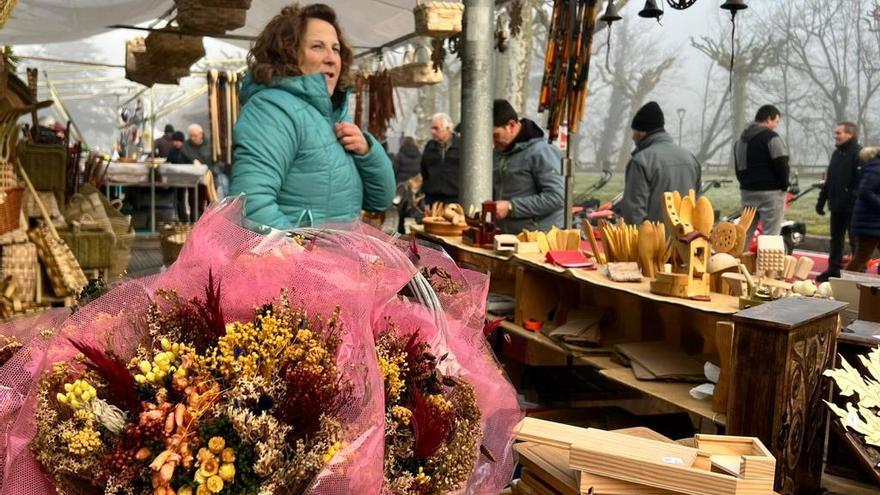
(672, 460)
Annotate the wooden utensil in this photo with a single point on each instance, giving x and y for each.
(693, 195)
(660, 246)
(647, 245)
(592, 238)
(686, 211)
(724, 238)
(704, 216)
(676, 200)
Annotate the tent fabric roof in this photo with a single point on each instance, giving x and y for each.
(366, 23)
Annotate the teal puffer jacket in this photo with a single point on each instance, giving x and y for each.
(289, 164)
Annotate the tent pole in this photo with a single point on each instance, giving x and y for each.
(475, 172)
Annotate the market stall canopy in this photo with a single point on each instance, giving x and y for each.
(367, 23)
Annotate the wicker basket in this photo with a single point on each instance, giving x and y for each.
(174, 49)
(29, 204)
(65, 274)
(227, 4)
(10, 209)
(172, 237)
(438, 19)
(195, 16)
(20, 261)
(415, 74)
(46, 165)
(121, 254)
(139, 66)
(88, 208)
(7, 175)
(93, 248)
(6, 8)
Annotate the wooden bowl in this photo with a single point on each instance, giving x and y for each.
(443, 227)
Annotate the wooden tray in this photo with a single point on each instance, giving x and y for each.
(443, 228)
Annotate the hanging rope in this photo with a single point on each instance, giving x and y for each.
(732, 49)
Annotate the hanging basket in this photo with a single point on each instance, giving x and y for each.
(195, 15)
(174, 49)
(140, 66)
(414, 73)
(10, 209)
(171, 240)
(227, 4)
(438, 19)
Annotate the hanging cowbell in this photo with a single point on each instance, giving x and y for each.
(734, 6)
(651, 11)
(611, 14)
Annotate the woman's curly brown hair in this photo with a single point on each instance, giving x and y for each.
(275, 52)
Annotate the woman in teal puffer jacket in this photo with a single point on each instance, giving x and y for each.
(296, 155)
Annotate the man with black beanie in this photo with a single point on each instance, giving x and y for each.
(163, 145)
(658, 165)
(761, 160)
(528, 187)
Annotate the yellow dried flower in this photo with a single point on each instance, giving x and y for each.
(77, 394)
(214, 484)
(216, 445)
(440, 403)
(401, 414)
(227, 472)
(203, 490)
(209, 467)
(185, 491)
(422, 478)
(228, 455)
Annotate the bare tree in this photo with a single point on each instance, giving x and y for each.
(714, 119)
(753, 57)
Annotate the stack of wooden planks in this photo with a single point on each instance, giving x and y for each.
(559, 459)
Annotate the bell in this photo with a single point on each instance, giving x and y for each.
(651, 11)
(734, 5)
(610, 14)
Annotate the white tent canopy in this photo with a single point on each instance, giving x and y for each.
(367, 23)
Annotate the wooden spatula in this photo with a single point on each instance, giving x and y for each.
(660, 246)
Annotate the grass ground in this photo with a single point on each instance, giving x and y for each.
(725, 199)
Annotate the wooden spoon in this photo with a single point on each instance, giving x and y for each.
(686, 211)
(660, 246)
(704, 216)
(647, 246)
(676, 200)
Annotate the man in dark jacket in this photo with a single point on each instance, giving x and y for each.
(528, 188)
(839, 192)
(761, 160)
(440, 162)
(196, 148)
(407, 164)
(658, 165)
(163, 145)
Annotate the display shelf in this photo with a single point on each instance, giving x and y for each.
(456, 242)
(674, 393)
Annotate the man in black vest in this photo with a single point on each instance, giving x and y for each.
(839, 192)
(761, 160)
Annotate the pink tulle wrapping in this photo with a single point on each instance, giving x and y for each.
(353, 267)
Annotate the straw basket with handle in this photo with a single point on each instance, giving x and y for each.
(415, 73)
(65, 273)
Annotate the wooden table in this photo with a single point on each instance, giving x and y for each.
(780, 350)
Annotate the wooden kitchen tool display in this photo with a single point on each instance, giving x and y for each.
(690, 276)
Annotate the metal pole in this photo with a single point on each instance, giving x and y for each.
(475, 172)
(568, 174)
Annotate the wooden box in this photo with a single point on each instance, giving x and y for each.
(869, 302)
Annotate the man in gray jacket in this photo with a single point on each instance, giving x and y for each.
(657, 166)
(529, 189)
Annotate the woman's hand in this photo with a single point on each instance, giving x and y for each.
(351, 138)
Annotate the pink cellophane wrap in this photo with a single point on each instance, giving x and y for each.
(350, 266)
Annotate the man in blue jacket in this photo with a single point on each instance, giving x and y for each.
(529, 190)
